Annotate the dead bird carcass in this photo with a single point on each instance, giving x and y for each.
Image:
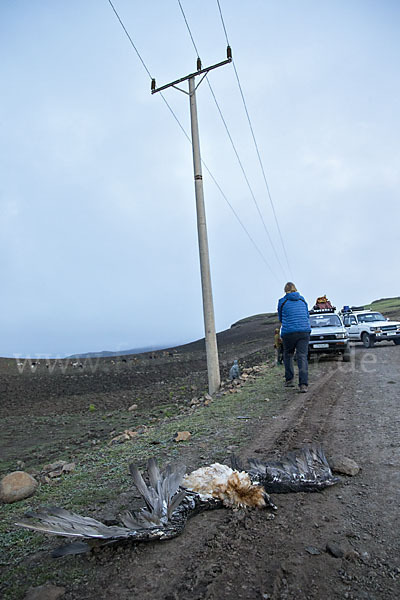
(171, 497)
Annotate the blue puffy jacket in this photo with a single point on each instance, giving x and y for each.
(293, 313)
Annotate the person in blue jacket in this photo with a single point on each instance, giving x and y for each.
(295, 334)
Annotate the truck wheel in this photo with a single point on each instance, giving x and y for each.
(346, 356)
(367, 340)
(397, 342)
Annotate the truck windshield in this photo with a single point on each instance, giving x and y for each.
(325, 321)
(370, 317)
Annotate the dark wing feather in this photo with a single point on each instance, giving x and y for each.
(140, 485)
(236, 464)
(73, 548)
(303, 470)
(62, 522)
(162, 498)
(176, 501)
(154, 472)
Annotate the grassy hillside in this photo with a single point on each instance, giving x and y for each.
(389, 307)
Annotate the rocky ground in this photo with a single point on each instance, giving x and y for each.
(341, 543)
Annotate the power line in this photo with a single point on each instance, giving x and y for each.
(240, 222)
(245, 177)
(234, 147)
(222, 192)
(190, 141)
(223, 24)
(129, 38)
(187, 25)
(255, 142)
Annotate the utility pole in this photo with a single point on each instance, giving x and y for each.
(214, 379)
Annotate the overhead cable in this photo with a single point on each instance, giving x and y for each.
(255, 143)
(188, 28)
(190, 141)
(129, 38)
(234, 148)
(245, 176)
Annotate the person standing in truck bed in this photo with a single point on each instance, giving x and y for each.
(295, 333)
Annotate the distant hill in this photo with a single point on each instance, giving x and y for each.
(257, 329)
(253, 330)
(389, 307)
(106, 353)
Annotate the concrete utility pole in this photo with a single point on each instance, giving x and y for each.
(214, 379)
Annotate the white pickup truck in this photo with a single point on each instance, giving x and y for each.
(369, 326)
(328, 335)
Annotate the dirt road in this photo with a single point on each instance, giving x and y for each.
(353, 410)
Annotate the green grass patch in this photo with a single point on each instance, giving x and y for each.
(389, 307)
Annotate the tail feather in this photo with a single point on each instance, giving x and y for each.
(175, 502)
(154, 472)
(159, 494)
(141, 486)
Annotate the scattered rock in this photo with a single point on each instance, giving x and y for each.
(142, 428)
(365, 557)
(334, 549)
(182, 436)
(344, 465)
(45, 592)
(312, 550)
(17, 486)
(352, 555)
(68, 467)
(207, 397)
(133, 407)
(124, 437)
(56, 469)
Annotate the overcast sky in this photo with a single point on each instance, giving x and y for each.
(98, 224)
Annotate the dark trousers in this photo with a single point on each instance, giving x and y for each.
(296, 341)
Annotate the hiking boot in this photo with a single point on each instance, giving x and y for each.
(289, 383)
(303, 388)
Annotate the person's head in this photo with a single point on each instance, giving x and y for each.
(290, 287)
(277, 330)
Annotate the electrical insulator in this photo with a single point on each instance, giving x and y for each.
(198, 64)
(153, 85)
(229, 52)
